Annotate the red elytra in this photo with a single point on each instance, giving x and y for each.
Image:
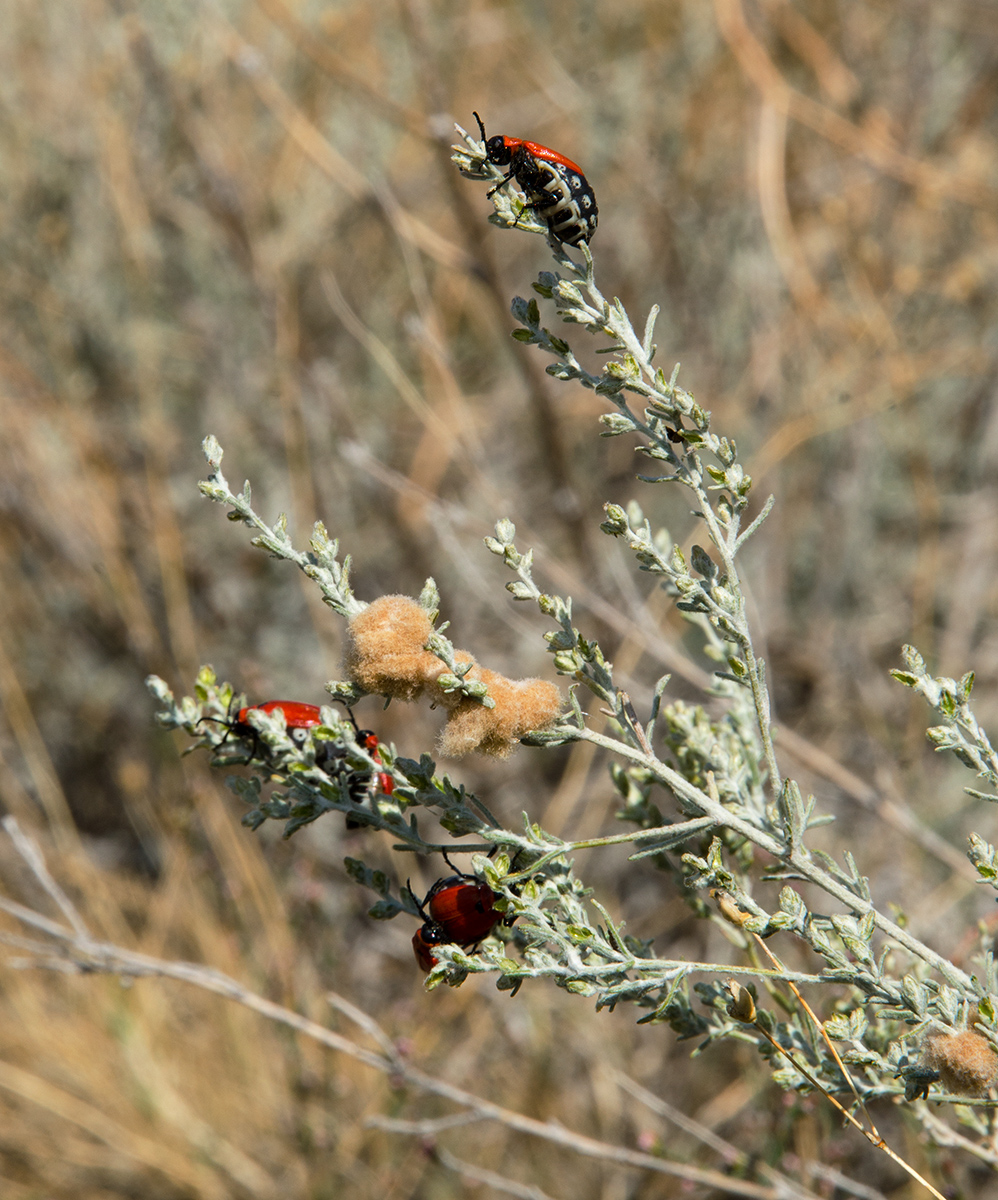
(298, 718)
(296, 714)
(463, 908)
(457, 909)
(534, 149)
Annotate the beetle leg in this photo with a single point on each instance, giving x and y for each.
(502, 183)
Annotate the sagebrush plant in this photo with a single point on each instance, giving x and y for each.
(700, 786)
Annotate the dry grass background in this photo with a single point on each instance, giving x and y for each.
(241, 219)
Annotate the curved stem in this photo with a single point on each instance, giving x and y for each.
(798, 860)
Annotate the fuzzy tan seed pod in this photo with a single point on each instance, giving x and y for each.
(386, 652)
(466, 729)
(966, 1061)
(520, 705)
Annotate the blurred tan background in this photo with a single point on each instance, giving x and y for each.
(241, 219)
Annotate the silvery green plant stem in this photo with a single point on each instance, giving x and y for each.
(633, 370)
(799, 859)
(581, 302)
(320, 563)
(673, 429)
(593, 671)
(962, 734)
(727, 610)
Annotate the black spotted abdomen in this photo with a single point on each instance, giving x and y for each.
(561, 196)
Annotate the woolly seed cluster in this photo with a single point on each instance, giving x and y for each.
(387, 655)
(966, 1061)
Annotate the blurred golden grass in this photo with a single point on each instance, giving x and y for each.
(247, 224)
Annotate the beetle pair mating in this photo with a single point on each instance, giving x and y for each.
(459, 910)
(555, 187)
(299, 718)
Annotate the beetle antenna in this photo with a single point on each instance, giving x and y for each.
(349, 711)
(463, 874)
(227, 721)
(480, 125)
(412, 895)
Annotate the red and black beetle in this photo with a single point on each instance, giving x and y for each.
(457, 909)
(368, 740)
(427, 935)
(299, 718)
(463, 907)
(554, 186)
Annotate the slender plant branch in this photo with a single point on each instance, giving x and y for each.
(799, 860)
(727, 540)
(79, 951)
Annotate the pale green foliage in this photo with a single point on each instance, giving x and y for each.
(320, 563)
(961, 733)
(717, 767)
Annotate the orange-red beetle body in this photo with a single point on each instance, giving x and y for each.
(463, 908)
(370, 742)
(299, 718)
(555, 187)
(458, 909)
